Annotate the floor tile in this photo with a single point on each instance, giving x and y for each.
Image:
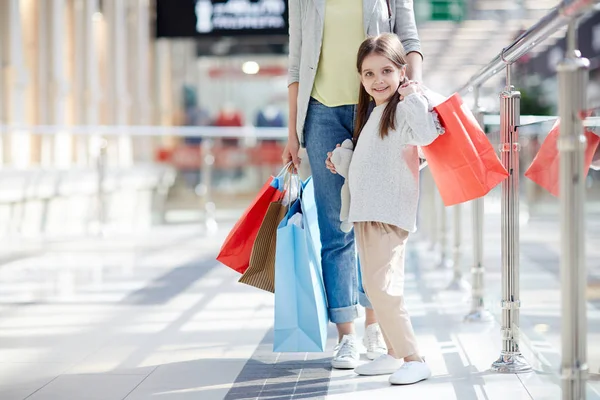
(88, 387)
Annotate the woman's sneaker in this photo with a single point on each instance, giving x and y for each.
(411, 372)
(374, 342)
(384, 365)
(346, 355)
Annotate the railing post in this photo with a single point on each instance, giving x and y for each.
(430, 205)
(101, 211)
(458, 283)
(511, 360)
(478, 311)
(572, 85)
(208, 159)
(443, 236)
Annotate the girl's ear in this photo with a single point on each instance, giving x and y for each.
(403, 77)
(403, 72)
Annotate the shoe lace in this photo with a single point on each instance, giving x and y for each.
(346, 348)
(375, 339)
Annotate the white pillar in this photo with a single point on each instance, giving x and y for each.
(87, 91)
(59, 88)
(139, 74)
(41, 56)
(3, 83)
(117, 96)
(140, 66)
(52, 84)
(15, 81)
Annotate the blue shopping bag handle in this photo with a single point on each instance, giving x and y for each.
(296, 206)
(278, 179)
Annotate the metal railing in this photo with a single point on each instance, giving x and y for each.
(560, 16)
(572, 73)
(100, 140)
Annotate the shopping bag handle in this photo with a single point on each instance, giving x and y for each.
(284, 173)
(285, 169)
(287, 183)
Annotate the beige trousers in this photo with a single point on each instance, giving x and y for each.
(381, 252)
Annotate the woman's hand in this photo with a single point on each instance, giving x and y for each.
(408, 88)
(328, 162)
(290, 152)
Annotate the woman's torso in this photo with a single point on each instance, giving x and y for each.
(337, 81)
(309, 21)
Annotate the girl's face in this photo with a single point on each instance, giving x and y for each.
(381, 77)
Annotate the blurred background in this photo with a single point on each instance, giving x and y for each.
(133, 133)
(72, 66)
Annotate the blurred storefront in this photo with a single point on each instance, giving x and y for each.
(236, 53)
(234, 61)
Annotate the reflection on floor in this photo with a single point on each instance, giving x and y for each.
(154, 316)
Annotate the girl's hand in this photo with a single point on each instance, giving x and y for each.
(328, 162)
(408, 88)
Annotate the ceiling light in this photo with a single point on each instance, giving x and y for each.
(250, 67)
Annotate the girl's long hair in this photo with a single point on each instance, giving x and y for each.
(389, 46)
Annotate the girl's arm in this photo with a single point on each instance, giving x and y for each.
(422, 130)
(406, 29)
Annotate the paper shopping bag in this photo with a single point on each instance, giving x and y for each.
(300, 304)
(237, 247)
(463, 162)
(596, 160)
(545, 168)
(261, 270)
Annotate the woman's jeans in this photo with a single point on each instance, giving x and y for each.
(324, 128)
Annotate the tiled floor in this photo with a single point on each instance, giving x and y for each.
(154, 317)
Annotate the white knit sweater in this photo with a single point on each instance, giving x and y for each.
(384, 173)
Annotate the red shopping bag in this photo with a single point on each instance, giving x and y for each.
(596, 160)
(237, 248)
(544, 170)
(463, 162)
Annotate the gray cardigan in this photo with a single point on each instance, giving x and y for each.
(306, 35)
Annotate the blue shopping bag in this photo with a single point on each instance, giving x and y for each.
(300, 303)
(309, 210)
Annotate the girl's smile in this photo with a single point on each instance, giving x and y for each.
(382, 89)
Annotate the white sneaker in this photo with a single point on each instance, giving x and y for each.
(347, 355)
(384, 365)
(410, 372)
(374, 342)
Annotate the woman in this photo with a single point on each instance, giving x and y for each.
(323, 92)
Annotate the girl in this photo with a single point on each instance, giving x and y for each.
(384, 191)
(323, 88)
